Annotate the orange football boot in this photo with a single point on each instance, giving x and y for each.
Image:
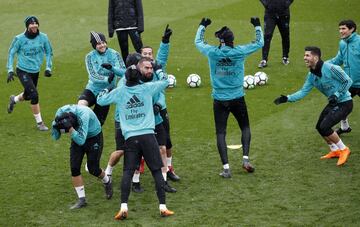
(344, 155)
(121, 215)
(166, 213)
(331, 154)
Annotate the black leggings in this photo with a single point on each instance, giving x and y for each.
(238, 108)
(331, 115)
(136, 147)
(29, 81)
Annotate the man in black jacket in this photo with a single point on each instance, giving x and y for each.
(127, 19)
(277, 13)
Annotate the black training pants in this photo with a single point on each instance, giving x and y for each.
(124, 44)
(238, 108)
(283, 24)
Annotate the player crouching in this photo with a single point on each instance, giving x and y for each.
(86, 138)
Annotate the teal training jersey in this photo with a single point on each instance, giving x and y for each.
(30, 53)
(333, 81)
(227, 64)
(89, 125)
(349, 56)
(135, 105)
(98, 76)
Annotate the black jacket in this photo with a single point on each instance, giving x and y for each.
(124, 14)
(277, 7)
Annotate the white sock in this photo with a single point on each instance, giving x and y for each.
(105, 179)
(38, 118)
(226, 166)
(340, 145)
(123, 206)
(344, 124)
(80, 191)
(109, 170)
(168, 161)
(333, 147)
(164, 176)
(136, 178)
(162, 207)
(245, 157)
(17, 99)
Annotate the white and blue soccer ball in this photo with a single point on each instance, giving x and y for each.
(249, 82)
(193, 80)
(172, 81)
(261, 78)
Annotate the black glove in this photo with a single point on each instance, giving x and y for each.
(205, 22)
(333, 99)
(255, 21)
(107, 66)
(281, 99)
(111, 34)
(65, 121)
(47, 73)
(10, 76)
(156, 66)
(111, 77)
(157, 108)
(167, 34)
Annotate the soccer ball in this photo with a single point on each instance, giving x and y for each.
(172, 81)
(261, 78)
(193, 80)
(249, 82)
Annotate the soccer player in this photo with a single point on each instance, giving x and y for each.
(226, 63)
(99, 65)
(161, 60)
(349, 56)
(137, 122)
(30, 48)
(334, 83)
(84, 129)
(126, 17)
(277, 13)
(106, 97)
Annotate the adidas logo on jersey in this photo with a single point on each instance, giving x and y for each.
(225, 62)
(134, 102)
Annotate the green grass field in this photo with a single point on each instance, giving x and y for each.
(291, 186)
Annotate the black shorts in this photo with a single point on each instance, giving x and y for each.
(354, 91)
(166, 123)
(119, 138)
(100, 111)
(142, 146)
(160, 134)
(29, 81)
(92, 148)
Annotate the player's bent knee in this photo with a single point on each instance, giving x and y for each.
(34, 97)
(324, 131)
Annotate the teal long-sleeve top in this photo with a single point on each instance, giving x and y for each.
(30, 53)
(89, 125)
(227, 64)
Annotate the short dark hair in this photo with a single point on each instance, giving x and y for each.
(349, 24)
(144, 59)
(144, 47)
(314, 50)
